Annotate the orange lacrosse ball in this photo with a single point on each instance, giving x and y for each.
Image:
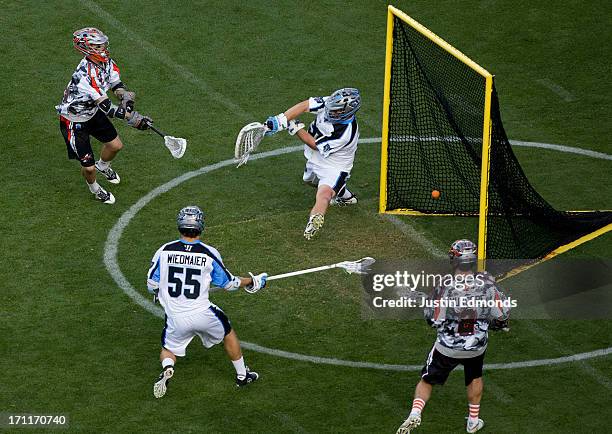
(435, 194)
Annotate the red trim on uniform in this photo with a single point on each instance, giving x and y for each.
(116, 68)
(68, 129)
(93, 80)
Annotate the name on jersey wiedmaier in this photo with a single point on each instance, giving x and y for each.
(189, 259)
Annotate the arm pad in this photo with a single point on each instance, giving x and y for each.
(233, 284)
(111, 110)
(152, 286)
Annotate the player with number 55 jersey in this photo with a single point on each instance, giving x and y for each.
(180, 276)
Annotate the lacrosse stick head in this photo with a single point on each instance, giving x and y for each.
(247, 141)
(176, 145)
(362, 266)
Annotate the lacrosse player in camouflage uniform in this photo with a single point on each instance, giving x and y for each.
(462, 334)
(85, 110)
(329, 147)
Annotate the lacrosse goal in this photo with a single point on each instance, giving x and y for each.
(442, 130)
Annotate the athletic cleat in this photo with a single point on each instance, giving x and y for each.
(474, 427)
(161, 385)
(110, 175)
(315, 223)
(413, 421)
(105, 196)
(250, 378)
(343, 202)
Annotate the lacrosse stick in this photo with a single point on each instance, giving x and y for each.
(176, 145)
(247, 141)
(352, 267)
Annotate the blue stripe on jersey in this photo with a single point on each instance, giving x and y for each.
(154, 274)
(221, 317)
(163, 336)
(220, 275)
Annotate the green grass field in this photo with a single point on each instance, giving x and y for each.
(75, 344)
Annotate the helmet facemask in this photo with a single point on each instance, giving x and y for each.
(342, 105)
(92, 43)
(463, 256)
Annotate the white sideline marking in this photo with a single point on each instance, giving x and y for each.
(557, 89)
(112, 265)
(166, 60)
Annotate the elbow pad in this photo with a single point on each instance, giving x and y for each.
(111, 110)
(233, 284)
(152, 286)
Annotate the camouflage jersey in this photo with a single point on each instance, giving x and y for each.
(463, 314)
(89, 83)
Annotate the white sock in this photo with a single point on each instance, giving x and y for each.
(167, 362)
(94, 187)
(102, 165)
(239, 367)
(347, 194)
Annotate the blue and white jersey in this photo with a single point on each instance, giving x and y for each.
(183, 272)
(336, 142)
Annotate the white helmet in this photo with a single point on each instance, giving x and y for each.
(342, 105)
(190, 217)
(92, 43)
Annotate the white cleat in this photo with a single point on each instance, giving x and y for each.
(474, 427)
(315, 223)
(338, 201)
(413, 421)
(161, 385)
(105, 196)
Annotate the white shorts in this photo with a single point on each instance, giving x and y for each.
(210, 325)
(318, 175)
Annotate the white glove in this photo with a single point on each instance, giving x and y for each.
(276, 123)
(294, 126)
(259, 282)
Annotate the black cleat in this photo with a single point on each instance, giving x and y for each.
(250, 378)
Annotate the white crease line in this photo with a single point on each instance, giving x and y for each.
(417, 236)
(587, 369)
(561, 148)
(112, 265)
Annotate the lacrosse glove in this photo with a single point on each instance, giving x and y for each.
(499, 324)
(127, 101)
(276, 123)
(259, 282)
(139, 121)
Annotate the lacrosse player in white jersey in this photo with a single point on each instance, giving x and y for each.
(85, 110)
(329, 147)
(180, 276)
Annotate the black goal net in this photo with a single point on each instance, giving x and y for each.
(435, 142)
